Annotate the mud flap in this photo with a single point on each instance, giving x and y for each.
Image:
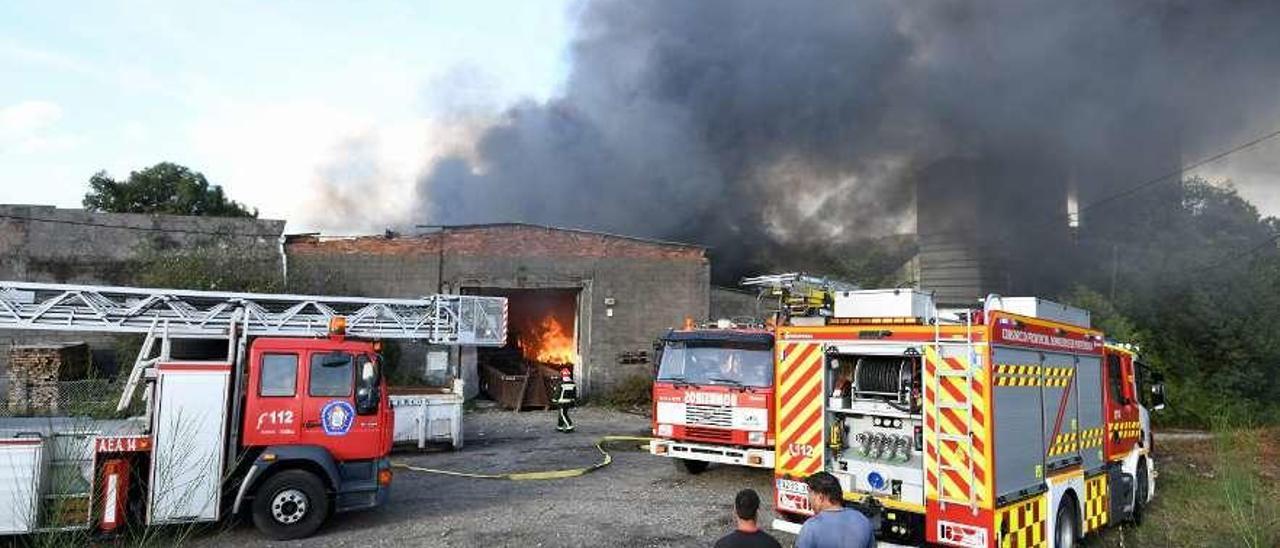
(1120, 491)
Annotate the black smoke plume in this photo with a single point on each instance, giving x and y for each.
(757, 126)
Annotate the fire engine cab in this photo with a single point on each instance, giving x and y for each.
(712, 396)
(713, 390)
(1013, 424)
(266, 404)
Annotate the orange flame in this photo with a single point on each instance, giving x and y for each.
(548, 342)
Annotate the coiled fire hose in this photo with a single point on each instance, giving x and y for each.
(605, 460)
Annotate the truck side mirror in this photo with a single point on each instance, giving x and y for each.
(657, 357)
(368, 389)
(1157, 396)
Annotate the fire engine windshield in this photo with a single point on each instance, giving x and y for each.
(716, 363)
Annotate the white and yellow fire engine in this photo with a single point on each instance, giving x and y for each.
(1013, 424)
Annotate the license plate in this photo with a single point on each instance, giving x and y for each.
(793, 496)
(958, 534)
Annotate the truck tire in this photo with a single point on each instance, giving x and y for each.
(290, 505)
(1065, 529)
(1140, 491)
(694, 467)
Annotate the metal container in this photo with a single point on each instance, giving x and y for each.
(885, 303)
(1043, 309)
(428, 415)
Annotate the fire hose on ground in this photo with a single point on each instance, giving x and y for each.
(605, 460)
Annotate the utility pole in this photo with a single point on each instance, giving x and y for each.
(442, 231)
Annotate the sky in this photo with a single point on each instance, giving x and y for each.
(263, 98)
(286, 104)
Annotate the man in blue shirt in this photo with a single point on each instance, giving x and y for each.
(833, 525)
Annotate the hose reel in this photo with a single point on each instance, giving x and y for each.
(893, 379)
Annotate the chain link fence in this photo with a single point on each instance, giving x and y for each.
(23, 396)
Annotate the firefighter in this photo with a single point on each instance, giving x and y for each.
(565, 394)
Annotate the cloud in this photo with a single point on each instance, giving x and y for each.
(133, 77)
(320, 166)
(28, 128)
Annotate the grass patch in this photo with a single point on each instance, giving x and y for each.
(1214, 492)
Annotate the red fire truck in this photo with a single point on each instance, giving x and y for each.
(1014, 424)
(712, 395)
(287, 420)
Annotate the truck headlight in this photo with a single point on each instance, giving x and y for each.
(664, 430)
(755, 438)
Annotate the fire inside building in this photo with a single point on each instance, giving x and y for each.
(542, 340)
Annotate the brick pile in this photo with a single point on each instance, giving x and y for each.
(35, 371)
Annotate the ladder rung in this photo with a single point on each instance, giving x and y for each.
(956, 438)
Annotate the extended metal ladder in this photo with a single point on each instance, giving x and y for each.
(436, 319)
(166, 314)
(964, 443)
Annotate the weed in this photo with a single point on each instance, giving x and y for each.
(635, 391)
(1210, 492)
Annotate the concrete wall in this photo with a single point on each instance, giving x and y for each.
(732, 303)
(653, 285)
(49, 244)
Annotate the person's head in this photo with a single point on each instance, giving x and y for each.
(730, 364)
(824, 491)
(746, 505)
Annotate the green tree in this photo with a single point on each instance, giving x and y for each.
(163, 188)
(1191, 272)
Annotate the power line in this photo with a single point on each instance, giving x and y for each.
(141, 228)
(1170, 176)
(1157, 180)
(1219, 263)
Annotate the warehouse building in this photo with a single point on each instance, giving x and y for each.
(590, 301)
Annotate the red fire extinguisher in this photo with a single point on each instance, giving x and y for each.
(114, 489)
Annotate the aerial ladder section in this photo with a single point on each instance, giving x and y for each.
(165, 314)
(436, 319)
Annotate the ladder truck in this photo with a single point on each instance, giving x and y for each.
(1012, 424)
(288, 420)
(713, 390)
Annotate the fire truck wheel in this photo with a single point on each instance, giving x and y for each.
(1140, 493)
(692, 466)
(290, 505)
(1065, 534)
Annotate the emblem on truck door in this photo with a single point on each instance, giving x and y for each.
(336, 417)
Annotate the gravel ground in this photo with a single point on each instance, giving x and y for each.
(638, 501)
